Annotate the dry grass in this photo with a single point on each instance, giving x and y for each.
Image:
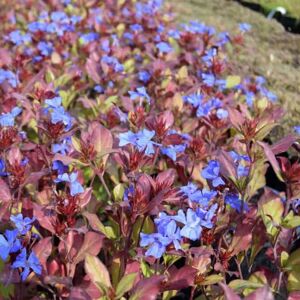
(270, 51)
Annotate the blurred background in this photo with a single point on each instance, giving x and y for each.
(272, 48)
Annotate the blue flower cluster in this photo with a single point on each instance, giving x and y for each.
(260, 89)
(140, 93)
(58, 113)
(172, 229)
(201, 197)
(62, 148)
(240, 161)
(113, 62)
(235, 202)
(212, 172)
(11, 242)
(8, 119)
(141, 140)
(57, 23)
(19, 38)
(10, 77)
(75, 186)
(205, 108)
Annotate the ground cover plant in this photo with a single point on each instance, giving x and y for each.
(134, 162)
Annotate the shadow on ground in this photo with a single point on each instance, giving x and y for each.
(270, 51)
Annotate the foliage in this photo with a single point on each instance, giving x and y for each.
(133, 162)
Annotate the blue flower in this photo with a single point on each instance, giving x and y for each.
(211, 172)
(22, 224)
(142, 140)
(208, 79)
(202, 197)
(89, 37)
(244, 27)
(157, 243)
(144, 76)
(127, 138)
(222, 113)
(60, 115)
(19, 38)
(105, 45)
(113, 62)
(140, 93)
(168, 233)
(174, 33)
(223, 38)
(194, 99)
(37, 26)
(235, 202)
(209, 56)
(172, 151)
(297, 129)
(59, 17)
(6, 75)
(62, 148)
(238, 160)
(206, 215)
(46, 48)
(58, 166)
(75, 186)
(2, 168)
(8, 119)
(99, 89)
(9, 243)
(164, 47)
(26, 264)
(192, 224)
(136, 27)
(189, 189)
(250, 96)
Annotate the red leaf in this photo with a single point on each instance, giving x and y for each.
(294, 296)
(229, 293)
(85, 197)
(180, 278)
(5, 194)
(261, 293)
(91, 69)
(284, 144)
(79, 294)
(43, 250)
(227, 166)
(272, 159)
(44, 217)
(92, 244)
(149, 288)
(235, 117)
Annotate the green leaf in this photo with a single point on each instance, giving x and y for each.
(271, 211)
(284, 258)
(291, 221)
(97, 272)
(118, 192)
(232, 81)
(239, 285)
(212, 279)
(146, 269)
(294, 278)
(95, 223)
(182, 73)
(294, 259)
(6, 291)
(125, 284)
